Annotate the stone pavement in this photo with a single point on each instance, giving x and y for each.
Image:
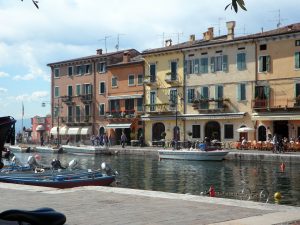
(119, 206)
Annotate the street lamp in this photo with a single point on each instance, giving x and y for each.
(174, 104)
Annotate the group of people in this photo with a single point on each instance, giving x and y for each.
(98, 140)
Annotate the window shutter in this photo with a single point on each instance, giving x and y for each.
(238, 61)
(239, 92)
(268, 63)
(260, 64)
(196, 66)
(225, 63)
(216, 92)
(212, 64)
(297, 63)
(297, 89)
(185, 67)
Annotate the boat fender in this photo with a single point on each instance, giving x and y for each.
(73, 163)
(39, 170)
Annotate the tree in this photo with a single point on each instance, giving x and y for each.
(235, 4)
(35, 2)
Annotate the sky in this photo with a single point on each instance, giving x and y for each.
(30, 38)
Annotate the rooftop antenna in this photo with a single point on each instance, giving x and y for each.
(104, 39)
(178, 34)
(118, 41)
(278, 20)
(219, 24)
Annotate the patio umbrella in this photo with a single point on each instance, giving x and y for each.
(245, 129)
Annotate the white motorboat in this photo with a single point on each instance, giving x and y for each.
(195, 154)
(49, 149)
(86, 149)
(19, 148)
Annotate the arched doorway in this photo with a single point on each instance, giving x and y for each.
(213, 130)
(262, 131)
(243, 134)
(101, 131)
(157, 130)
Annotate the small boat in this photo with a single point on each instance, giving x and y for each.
(49, 149)
(69, 179)
(194, 154)
(19, 148)
(86, 149)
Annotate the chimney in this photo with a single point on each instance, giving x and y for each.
(126, 57)
(192, 37)
(209, 34)
(99, 51)
(230, 30)
(168, 42)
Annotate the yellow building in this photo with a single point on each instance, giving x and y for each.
(164, 97)
(276, 99)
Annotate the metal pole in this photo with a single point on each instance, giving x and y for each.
(58, 114)
(176, 128)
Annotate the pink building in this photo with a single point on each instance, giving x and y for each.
(41, 126)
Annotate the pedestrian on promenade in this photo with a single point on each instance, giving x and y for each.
(123, 140)
(42, 140)
(275, 143)
(141, 140)
(93, 139)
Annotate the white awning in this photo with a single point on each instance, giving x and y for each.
(86, 130)
(125, 96)
(119, 125)
(40, 128)
(53, 131)
(74, 130)
(63, 130)
(275, 117)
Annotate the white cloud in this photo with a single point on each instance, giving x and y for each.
(35, 96)
(4, 74)
(2, 90)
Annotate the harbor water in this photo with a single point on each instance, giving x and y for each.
(236, 180)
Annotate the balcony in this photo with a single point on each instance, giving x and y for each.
(77, 120)
(211, 105)
(67, 100)
(126, 115)
(86, 98)
(276, 104)
(163, 108)
(172, 79)
(149, 81)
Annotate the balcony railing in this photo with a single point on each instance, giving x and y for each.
(211, 104)
(150, 81)
(86, 98)
(171, 78)
(69, 120)
(67, 100)
(130, 113)
(158, 108)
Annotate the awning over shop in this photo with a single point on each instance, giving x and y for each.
(62, 130)
(275, 117)
(74, 131)
(118, 125)
(40, 128)
(125, 96)
(86, 130)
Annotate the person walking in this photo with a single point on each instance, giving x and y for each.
(42, 140)
(123, 140)
(275, 143)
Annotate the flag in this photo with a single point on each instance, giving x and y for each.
(22, 109)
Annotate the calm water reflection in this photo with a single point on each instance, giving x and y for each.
(228, 178)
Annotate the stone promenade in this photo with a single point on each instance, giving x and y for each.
(112, 205)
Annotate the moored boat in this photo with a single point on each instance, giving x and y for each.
(49, 149)
(86, 149)
(194, 154)
(19, 148)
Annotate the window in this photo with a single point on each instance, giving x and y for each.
(139, 104)
(297, 60)
(70, 91)
(56, 92)
(264, 63)
(204, 65)
(219, 95)
(131, 80)
(78, 89)
(297, 89)
(140, 79)
(241, 92)
(204, 96)
(263, 47)
(114, 82)
(70, 70)
(79, 70)
(87, 113)
(152, 100)
(219, 63)
(191, 95)
(101, 67)
(152, 73)
(196, 131)
(173, 96)
(129, 105)
(102, 88)
(56, 72)
(173, 70)
(101, 109)
(192, 66)
(241, 61)
(70, 113)
(87, 69)
(297, 43)
(228, 131)
(86, 89)
(77, 113)
(114, 105)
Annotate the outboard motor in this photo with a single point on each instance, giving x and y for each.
(108, 170)
(56, 164)
(73, 164)
(32, 162)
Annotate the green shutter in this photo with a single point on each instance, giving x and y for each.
(225, 63)
(260, 64)
(212, 64)
(297, 63)
(268, 62)
(238, 92)
(185, 67)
